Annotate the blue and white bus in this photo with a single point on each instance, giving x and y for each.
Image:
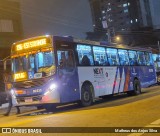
(48, 70)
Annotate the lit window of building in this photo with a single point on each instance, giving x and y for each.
(126, 10)
(103, 11)
(108, 9)
(125, 5)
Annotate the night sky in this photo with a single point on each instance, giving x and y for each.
(57, 17)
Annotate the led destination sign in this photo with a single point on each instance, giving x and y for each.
(31, 44)
(20, 76)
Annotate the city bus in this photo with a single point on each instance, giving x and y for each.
(50, 70)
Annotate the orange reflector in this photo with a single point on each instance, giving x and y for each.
(20, 92)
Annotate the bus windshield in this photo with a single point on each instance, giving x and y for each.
(37, 65)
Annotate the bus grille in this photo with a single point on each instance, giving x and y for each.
(29, 84)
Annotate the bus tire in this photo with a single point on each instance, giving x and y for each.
(50, 107)
(136, 87)
(87, 95)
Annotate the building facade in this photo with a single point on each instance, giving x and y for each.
(131, 19)
(155, 10)
(10, 26)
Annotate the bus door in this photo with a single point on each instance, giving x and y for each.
(68, 75)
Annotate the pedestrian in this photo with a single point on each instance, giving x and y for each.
(7, 77)
(9, 97)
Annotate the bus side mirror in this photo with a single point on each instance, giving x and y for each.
(4, 65)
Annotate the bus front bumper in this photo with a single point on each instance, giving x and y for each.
(36, 100)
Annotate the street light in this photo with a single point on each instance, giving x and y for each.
(118, 38)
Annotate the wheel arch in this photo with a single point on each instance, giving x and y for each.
(85, 83)
(135, 78)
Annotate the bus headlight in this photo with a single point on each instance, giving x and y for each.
(50, 89)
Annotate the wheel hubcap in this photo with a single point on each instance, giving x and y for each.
(137, 88)
(86, 96)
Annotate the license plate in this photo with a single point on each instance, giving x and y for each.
(28, 100)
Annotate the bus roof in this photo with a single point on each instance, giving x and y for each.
(81, 41)
(102, 43)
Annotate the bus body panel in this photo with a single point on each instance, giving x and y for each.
(117, 79)
(69, 87)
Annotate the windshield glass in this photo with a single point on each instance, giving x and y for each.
(37, 65)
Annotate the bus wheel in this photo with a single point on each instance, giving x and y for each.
(136, 87)
(87, 95)
(50, 107)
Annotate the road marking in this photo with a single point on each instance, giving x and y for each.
(153, 124)
(157, 122)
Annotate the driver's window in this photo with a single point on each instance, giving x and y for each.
(66, 59)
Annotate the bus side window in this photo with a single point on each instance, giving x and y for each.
(100, 56)
(132, 58)
(151, 59)
(66, 60)
(112, 56)
(123, 57)
(85, 55)
(85, 61)
(141, 58)
(148, 57)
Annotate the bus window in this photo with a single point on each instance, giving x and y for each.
(148, 57)
(47, 58)
(65, 59)
(123, 57)
(132, 57)
(151, 59)
(100, 56)
(141, 58)
(112, 57)
(85, 55)
(41, 59)
(156, 61)
(20, 64)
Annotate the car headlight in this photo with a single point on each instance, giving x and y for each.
(51, 88)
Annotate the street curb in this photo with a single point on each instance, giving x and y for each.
(5, 105)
